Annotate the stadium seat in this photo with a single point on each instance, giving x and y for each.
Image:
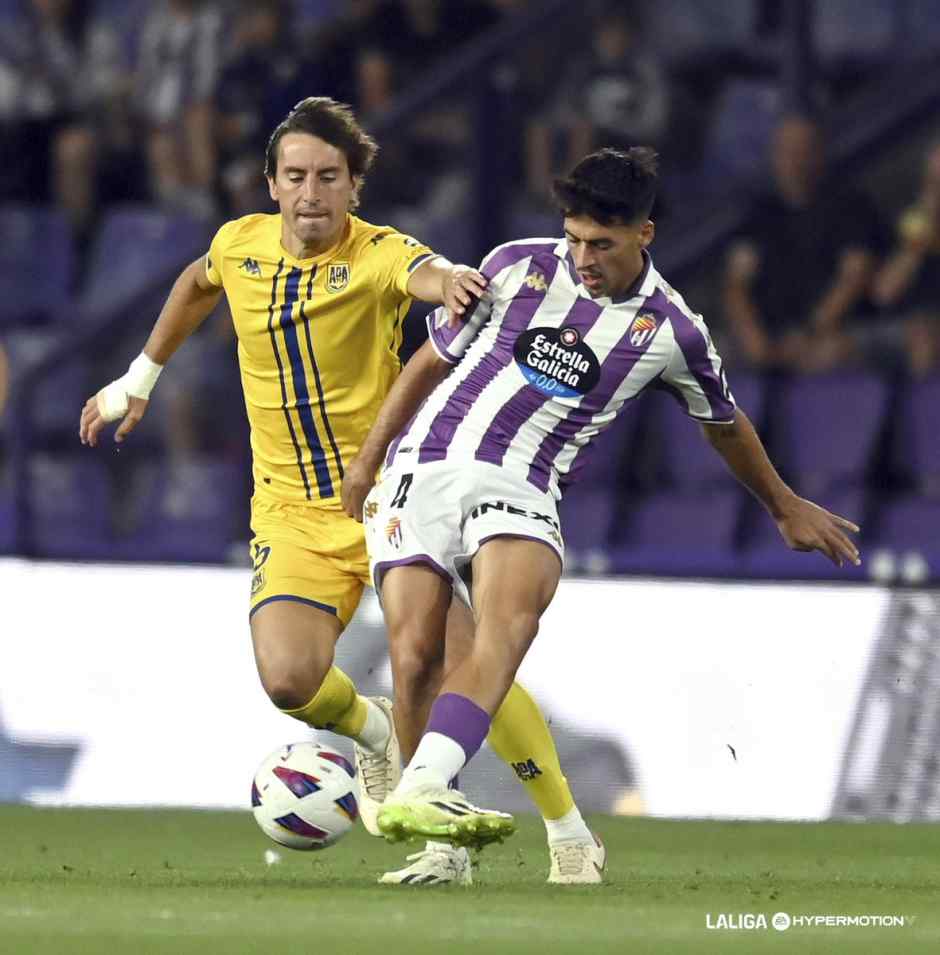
(7, 516)
(70, 498)
(587, 513)
(184, 512)
(921, 28)
(57, 401)
(855, 29)
(604, 459)
(907, 532)
(137, 247)
(33, 288)
(313, 14)
(682, 27)
(825, 429)
(917, 448)
(766, 556)
(738, 142)
(679, 533)
(684, 458)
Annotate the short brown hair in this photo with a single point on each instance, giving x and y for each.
(334, 123)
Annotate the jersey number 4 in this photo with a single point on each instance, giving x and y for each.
(401, 495)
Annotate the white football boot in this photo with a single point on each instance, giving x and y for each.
(437, 864)
(577, 862)
(377, 775)
(433, 812)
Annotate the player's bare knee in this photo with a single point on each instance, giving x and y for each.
(513, 630)
(291, 683)
(416, 664)
(290, 690)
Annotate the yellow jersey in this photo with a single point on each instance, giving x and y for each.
(318, 344)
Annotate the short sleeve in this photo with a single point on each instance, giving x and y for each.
(400, 255)
(452, 341)
(694, 374)
(504, 269)
(216, 254)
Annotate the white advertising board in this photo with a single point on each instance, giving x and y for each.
(130, 685)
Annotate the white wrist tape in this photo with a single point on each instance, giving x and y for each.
(137, 382)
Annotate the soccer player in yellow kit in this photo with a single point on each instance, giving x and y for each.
(318, 297)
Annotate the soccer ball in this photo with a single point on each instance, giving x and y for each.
(303, 796)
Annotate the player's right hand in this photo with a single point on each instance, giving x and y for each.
(462, 287)
(358, 480)
(94, 419)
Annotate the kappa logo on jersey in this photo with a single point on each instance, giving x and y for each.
(251, 266)
(337, 278)
(643, 329)
(536, 281)
(370, 510)
(393, 532)
(557, 362)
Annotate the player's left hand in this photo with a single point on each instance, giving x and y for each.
(807, 526)
(358, 479)
(462, 287)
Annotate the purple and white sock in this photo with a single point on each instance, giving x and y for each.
(455, 731)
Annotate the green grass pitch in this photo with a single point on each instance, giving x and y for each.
(109, 882)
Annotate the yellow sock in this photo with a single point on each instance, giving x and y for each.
(336, 706)
(520, 737)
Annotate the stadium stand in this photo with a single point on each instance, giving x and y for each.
(32, 289)
(654, 498)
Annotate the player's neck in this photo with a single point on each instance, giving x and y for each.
(299, 249)
(634, 277)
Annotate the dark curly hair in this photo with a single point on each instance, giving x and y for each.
(611, 186)
(334, 123)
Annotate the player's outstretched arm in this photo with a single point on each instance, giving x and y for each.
(420, 377)
(455, 287)
(802, 524)
(191, 300)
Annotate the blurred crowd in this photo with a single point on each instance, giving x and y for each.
(171, 101)
(815, 281)
(167, 105)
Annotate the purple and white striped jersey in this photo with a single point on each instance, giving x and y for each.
(541, 368)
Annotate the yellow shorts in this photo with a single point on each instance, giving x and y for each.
(308, 554)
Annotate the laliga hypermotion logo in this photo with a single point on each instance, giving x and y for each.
(642, 330)
(393, 532)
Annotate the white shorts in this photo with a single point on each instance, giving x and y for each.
(442, 512)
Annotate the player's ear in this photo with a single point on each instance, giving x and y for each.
(647, 232)
(272, 187)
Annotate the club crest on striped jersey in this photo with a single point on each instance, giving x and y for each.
(557, 362)
(337, 277)
(643, 329)
(393, 532)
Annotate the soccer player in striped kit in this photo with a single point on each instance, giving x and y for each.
(489, 423)
(318, 296)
